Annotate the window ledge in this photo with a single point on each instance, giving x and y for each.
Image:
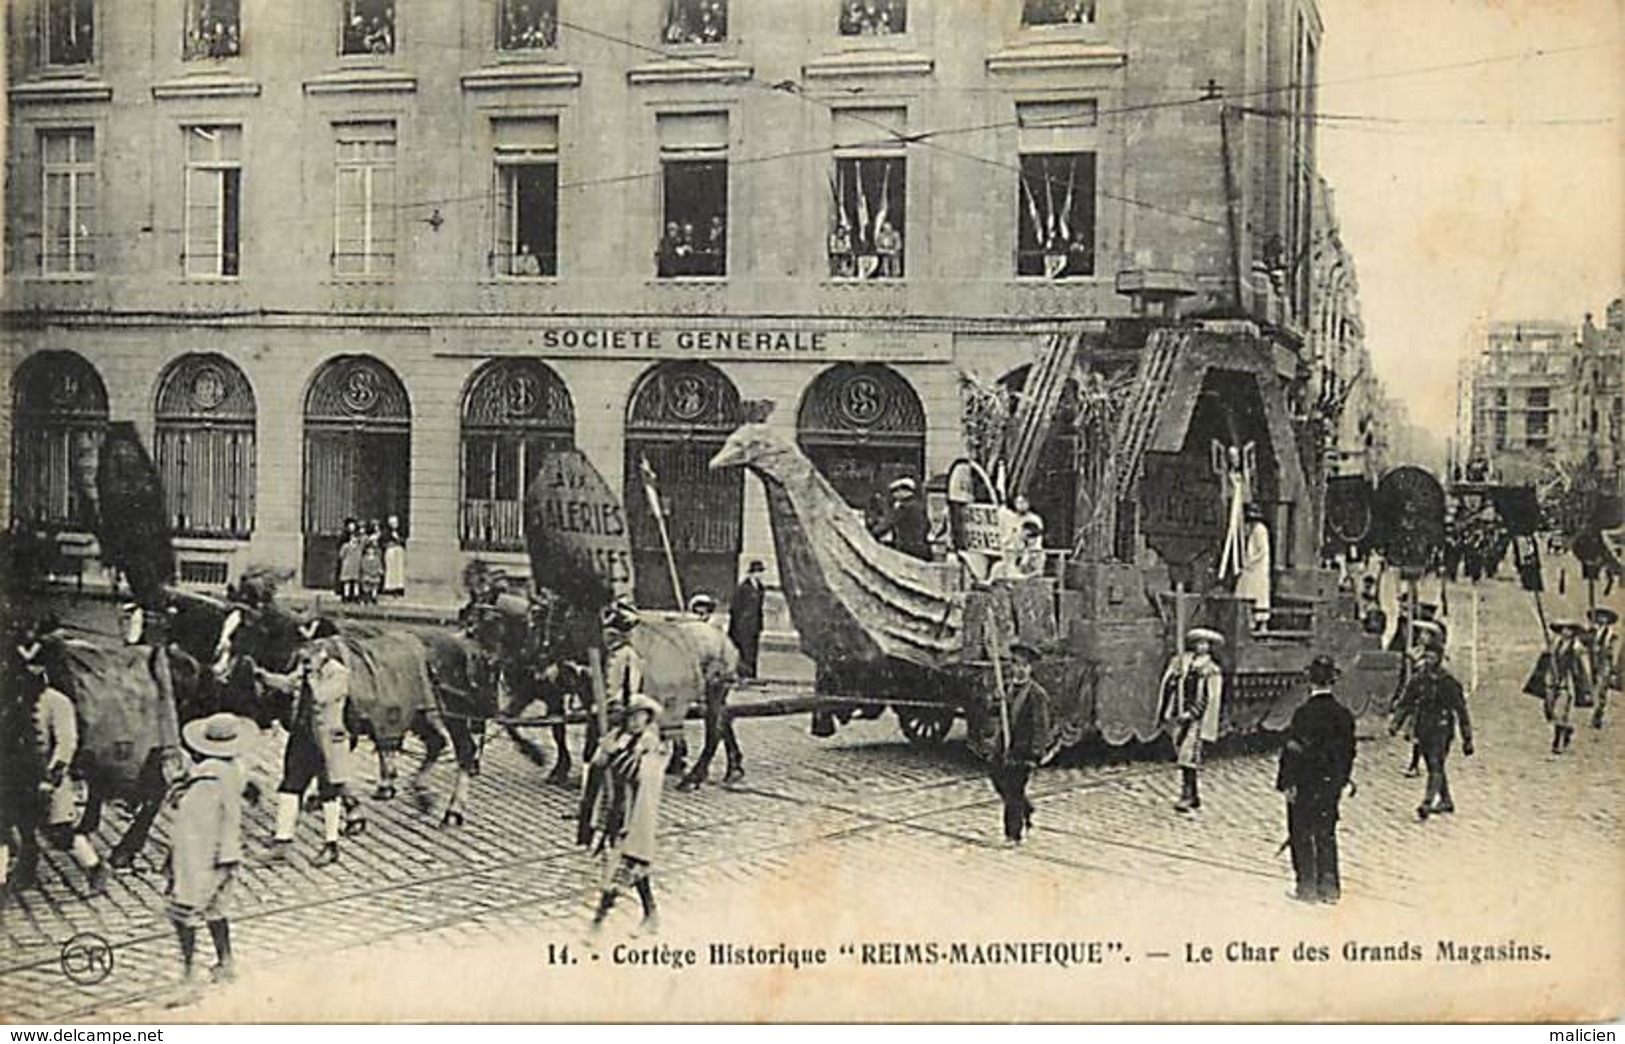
(62, 90)
(699, 68)
(217, 544)
(235, 280)
(870, 63)
(362, 81)
(79, 278)
(1056, 55)
(529, 73)
(210, 83)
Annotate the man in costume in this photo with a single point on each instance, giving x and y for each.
(1570, 685)
(206, 838)
(1021, 735)
(1192, 692)
(1316, 765)
(318, 742)
(908, 528)
(1607, 659)
(1434, 707)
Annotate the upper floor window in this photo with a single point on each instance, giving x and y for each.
(696, 21)
(70, 32)
(1501, 398)
(525, 240)
(869, 195)
(68, 162)
(1057, 12)
(213, 29)
(1540, 398)
(364, 199)
(369, 27)
(1055, 224)
(527, 25)
(214, 179)
(694, 195)
(873, 17)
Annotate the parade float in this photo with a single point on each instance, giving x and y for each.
(1183, 441)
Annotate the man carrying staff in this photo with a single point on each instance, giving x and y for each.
(623, 666)
(318, 742)
(1021, 735)
(1434, 705)
(1192, 688)
(1607, 659)
(1570, 683)
(1316, 764)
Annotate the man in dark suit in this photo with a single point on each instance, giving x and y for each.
(1435, 706)
(745, 619)
(1316, 764)
(910, 529)
(1021, 735)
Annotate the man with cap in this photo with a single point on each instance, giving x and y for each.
(623, 665)
(1191, 694)
(55, 733)
(1570, 682)
(745, 618)
(702, 606)
(318, 742)
(1433, 705)
(623, 812)
(1020, 723)
(1316, 765)
(206, 837)
(719, 678)
(1607, 659)
(908, 528)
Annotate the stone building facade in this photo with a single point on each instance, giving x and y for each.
(1522, 411)
(364, 258)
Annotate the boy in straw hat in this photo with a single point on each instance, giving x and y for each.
(206, 837)
(1192, 688)
(623, 817)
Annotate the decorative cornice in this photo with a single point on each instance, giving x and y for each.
(206, 85)
(869, 63)
(1049, 57)
(527, 75)
(690, 70)
(362, 81)
(63, 91)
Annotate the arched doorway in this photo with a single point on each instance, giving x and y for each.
(1229, 411)
(59, 417)
(514, 411)
(205, 446)
(677, 419)
(862, 425)
(358, 456)
(1053, 488)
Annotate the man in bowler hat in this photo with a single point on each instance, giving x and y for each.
(1316, 765)
(745, 619)
(1021, 734)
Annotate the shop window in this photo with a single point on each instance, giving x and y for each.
(213, 29)
(868, 195)
(369, 27)
(68, 161)
(526, 207)
(694, 196)
(214, 178)
(527, 25)
(70, 32)
(696, 21)
(873, 17)
(204, 438)
(1057, 12)
(364, 214)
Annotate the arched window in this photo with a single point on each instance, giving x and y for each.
(514, 411)
(205, 443)
(60, 415)
(862, 425)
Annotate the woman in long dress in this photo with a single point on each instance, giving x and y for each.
(394, 558)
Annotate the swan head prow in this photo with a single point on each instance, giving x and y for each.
(752, 445)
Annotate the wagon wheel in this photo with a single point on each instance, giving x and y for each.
(925, 726)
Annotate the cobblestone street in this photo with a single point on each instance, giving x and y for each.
(862, 837)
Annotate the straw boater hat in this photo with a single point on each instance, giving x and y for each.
(1429, 635)
(1566, 624)
(222, 735)
(1204, 634)
(643, 702)
(1323, 670)
(904, 485)
(1603, 616)
(702, 603)
(1026, 651)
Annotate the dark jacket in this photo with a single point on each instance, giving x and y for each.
(1318, 758)
(1434, 701)
(1030, 725)
(745, 612)
(911, 530)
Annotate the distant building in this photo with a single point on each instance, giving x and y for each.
(1522, 388)
(1599, 404)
